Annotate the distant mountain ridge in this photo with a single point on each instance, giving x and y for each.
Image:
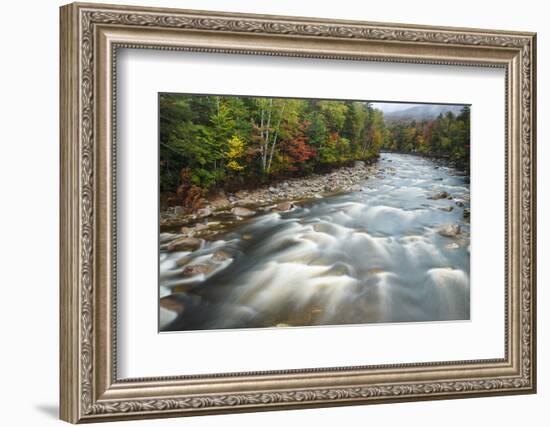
(422, 112)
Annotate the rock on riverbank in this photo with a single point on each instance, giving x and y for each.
(226, 208)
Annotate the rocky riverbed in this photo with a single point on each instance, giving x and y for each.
(386, 242)
(224, 210)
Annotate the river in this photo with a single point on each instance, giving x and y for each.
(369, 256)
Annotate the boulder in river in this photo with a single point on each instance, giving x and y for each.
(449, 230)
(167, 237)
(466, 214)
(284, 206)
(182, 262)
(172, 303)
(220, 255)
(446, 208)
(459, 203)
(441, 195)
(193, 270)
(452, 246)
(185, 244)
(244, 212)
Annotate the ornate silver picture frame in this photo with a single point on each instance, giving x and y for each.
(91, 36)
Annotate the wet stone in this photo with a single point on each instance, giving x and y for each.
(186, 230)
(185, 244)
(193, 270)
(452, 246)
(284, 206)
(244, 212)
(449, 230)
(441, 195)
(221, 255)
(172, 303)
(184, 261)
(204, 212)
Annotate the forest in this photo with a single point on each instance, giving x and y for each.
(447, 136)
(226, 142)
(223, 141)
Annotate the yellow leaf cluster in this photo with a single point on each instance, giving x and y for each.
(233, 165)
(235, 150)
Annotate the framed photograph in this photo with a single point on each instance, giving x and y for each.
(266, 212)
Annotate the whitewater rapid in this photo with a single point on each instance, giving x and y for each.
(369, 256)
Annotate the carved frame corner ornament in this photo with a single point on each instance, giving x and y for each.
(90, 36)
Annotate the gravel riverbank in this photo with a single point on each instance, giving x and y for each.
(222, 210)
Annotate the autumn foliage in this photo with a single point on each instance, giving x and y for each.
(222, 141)
(447, 135)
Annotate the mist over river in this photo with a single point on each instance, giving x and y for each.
(397, 250)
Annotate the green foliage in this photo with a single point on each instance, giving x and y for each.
(222, 140)
(447, 135)
(334, 113)
(203, 177)
(328, 153)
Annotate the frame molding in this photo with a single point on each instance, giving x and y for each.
(90, 37)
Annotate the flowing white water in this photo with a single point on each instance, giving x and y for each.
(369, 256)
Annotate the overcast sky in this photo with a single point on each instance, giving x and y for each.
(390, 107)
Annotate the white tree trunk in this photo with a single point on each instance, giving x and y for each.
(275, 139)
(266, 143)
